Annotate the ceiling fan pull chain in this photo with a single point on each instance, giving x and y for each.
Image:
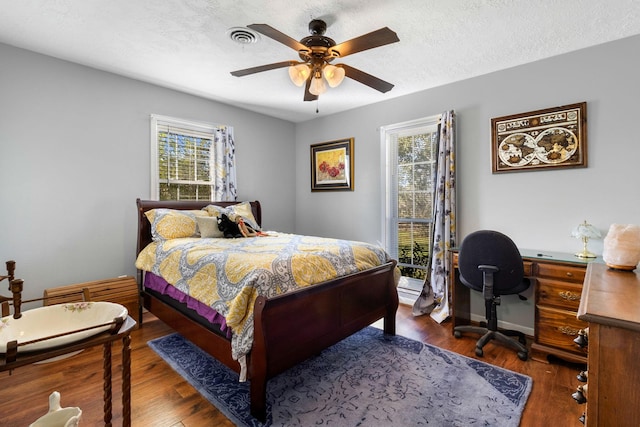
(317, 102)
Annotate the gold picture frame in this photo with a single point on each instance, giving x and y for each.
(542, 139)
(332, 165)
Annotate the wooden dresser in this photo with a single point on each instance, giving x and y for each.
(557, 280)
(611, 306)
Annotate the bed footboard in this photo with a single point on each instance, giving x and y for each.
(290, 328)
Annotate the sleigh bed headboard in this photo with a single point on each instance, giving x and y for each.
(144, 227)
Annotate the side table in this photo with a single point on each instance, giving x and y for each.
(106, 339)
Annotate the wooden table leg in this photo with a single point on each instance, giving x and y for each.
(107, 383)
(126, 381)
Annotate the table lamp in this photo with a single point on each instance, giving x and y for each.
(585, 231)
(621, 249)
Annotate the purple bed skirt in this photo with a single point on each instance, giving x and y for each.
(161, 286)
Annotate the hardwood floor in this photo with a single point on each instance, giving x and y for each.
(160, 397)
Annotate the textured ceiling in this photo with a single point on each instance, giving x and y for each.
(184, 44)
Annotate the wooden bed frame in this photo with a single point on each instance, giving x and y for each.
(288, 328)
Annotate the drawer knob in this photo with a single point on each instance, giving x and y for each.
(569, 296)
(583, 376)
(569, 274)
(582, 339)
(579, 394)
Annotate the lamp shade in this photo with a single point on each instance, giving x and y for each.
(333, 74)
(299, 74)
(317, 86)
(585, 230)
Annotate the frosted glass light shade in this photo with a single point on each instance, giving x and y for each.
(333, 74)
(299, 74)
(317, 86)
(586, 230)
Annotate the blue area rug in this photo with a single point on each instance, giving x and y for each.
(365, 380)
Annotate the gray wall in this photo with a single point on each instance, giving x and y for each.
(537, 209)
(75, 155)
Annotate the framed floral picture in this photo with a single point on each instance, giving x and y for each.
(332, 165)
(540, 140)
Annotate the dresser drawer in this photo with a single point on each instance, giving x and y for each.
(561, 272)
(563, 295)
(558, 328)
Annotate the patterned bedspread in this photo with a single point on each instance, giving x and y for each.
(229, 274)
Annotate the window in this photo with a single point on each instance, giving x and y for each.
(183, 158)
(410, 155)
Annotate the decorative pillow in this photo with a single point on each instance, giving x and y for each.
(208, 226)
(215, 210)
(234, 211)
(173, 224)
(244, 210)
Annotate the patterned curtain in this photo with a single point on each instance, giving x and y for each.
(435, 294)
(224, 164)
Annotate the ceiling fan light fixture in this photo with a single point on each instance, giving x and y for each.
(317, 86)
(316, 52)
(334, 75)
(299, 74)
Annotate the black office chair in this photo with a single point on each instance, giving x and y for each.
(490, 262)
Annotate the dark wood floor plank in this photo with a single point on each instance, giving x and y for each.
(161, 397)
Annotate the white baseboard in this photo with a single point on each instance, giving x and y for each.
(407, 298)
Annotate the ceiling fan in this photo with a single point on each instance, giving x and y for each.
(317, 52)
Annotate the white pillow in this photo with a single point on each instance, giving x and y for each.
(208, 226)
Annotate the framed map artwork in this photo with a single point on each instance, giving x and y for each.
(332, 165)
(550, 138)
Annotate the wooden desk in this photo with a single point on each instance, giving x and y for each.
(106, 339)
(557, 280)
(611, 306)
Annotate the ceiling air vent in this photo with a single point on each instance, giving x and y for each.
(242, 35)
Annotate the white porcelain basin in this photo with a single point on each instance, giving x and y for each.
(57, 319)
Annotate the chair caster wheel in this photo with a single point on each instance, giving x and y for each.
(523, 355)
(479, 352)
(457, 334)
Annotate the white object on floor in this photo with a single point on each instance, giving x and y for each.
(57, 416)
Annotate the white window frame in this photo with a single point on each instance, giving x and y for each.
(206, 129)
(389, 178)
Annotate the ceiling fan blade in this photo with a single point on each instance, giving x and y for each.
(377, 38)
(261, 68)
(366, 79)
(308, 96)
(271, 32)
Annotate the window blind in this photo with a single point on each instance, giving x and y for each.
(183, 156)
